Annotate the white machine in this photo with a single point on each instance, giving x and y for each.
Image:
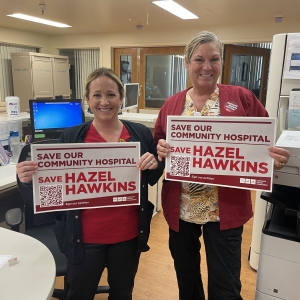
(279, 265)
(290, 174)
(276, 235)
(277, 101)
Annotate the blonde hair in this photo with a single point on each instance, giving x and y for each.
(104, 72)
(202, 37)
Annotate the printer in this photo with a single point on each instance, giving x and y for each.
(278, 273)
(290, 174)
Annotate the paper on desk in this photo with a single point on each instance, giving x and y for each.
(294, 111)
(3, 260)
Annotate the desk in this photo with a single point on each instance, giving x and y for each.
(33, 277)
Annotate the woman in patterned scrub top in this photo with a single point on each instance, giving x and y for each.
(190, 209)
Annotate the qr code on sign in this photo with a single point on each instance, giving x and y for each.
(180, 165)
(51, 195)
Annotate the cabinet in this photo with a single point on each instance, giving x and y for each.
(39, 76)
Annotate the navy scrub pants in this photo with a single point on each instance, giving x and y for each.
(223, 256)
(121, 261)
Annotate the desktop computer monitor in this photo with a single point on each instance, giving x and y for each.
(50, 117)
(131, 96)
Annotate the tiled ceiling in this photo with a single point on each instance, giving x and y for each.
(100, 16)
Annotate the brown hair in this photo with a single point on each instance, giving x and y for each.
(104, 72)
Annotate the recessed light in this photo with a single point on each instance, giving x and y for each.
(175, 9)
(38, 20)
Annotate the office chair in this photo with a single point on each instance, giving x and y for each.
(40, 227)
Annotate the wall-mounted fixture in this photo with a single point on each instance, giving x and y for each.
(278, 19)
(42, 7)
(139, 27)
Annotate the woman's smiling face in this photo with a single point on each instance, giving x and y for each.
(204, 66)
(104, 98)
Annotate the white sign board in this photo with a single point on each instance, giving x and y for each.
(222, 151)
(85, 175)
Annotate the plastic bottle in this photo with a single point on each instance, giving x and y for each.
(15, 146)
(12, 106)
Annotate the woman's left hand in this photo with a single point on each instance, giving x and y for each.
(147, 161)
(280, 155)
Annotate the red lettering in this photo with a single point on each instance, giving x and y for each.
(208, 152)
(70, 189)
(181, 127)
(263, 168)
(69, 177)
(234, 165)
(82, 189)
(50, 156)
(229, 152)
(221, 164)
(94, 188)
(219, 152)
(89, 177)
(197, 162)
(131, 186)
(208, 164)
(180, 149)
(92, 176)
(237, 154)
(49, 179)
(81, 177)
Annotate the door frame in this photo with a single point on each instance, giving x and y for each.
(230, 49)
(139, 63)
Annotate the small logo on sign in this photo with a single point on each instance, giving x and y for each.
(230, 106)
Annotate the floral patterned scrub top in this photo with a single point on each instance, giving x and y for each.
(199, 202)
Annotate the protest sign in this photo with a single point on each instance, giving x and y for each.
(224, 151)
(85, 175)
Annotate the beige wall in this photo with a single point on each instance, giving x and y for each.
(241, 33)
(228, 34)
(12, 36)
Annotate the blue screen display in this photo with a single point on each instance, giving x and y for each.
(50, 116)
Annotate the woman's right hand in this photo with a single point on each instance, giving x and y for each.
(25, 170)
(162, 149)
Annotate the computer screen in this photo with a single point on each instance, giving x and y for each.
(131, 96)
(50, 117)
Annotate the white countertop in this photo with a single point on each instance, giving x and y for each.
(138, 117)
(145, 119)
(7, 178)
(23, 116)
(33, 277)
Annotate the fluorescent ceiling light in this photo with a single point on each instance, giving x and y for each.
(175, 9)
(39, 20)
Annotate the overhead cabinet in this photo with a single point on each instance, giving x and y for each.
(39, 76)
